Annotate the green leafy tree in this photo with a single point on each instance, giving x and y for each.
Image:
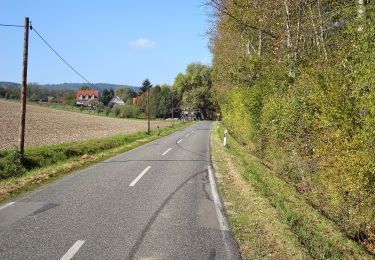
(294, 80)
(84, 87)
(105, 97)
(164, 101)
(194, 88)
(111, 93)
(146, 85)
(126, 94)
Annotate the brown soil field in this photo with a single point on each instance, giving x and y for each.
(46, 126)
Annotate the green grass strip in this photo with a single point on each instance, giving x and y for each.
(41, 165)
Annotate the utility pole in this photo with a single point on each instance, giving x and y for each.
(172, 112)
(148, 110)
(24, 84)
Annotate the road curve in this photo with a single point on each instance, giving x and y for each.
(157, 201)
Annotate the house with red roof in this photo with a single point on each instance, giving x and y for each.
(83, 97)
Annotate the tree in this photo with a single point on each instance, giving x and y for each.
(146, 84)
(294, 80)
(179, 85)
(84, 87)
(164, 101)
(105, 97)
(126, 94)
(2, 92)
(111, 93)
(194, 88)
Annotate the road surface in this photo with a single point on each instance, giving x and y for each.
(157, 201)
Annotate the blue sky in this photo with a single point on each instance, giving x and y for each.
(120, 42)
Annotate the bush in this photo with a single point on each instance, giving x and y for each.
(116, 110)
(13, 164)
(125, 111)
(107, 111)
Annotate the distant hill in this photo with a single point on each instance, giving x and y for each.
(9, 84)
(73, 86)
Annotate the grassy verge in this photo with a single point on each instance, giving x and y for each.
(268, 217)
(42, 165)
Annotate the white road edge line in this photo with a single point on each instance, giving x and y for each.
(179, 141)
(139, 176)
(73, 250)
(215, 196)
(167, 151)
(7, 205)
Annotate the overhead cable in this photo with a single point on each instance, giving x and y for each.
(58, 55)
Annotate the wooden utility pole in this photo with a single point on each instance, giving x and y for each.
(24, 84)
(148, 110)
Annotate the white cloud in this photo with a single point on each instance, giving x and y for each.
(142, 43)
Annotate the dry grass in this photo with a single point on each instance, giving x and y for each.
(271, 219)
(45, 126)
(255, 222)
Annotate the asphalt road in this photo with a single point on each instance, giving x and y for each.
(157, 201)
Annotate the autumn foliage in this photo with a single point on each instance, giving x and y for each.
(295, 83)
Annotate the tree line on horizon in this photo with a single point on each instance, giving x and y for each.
(190, 94)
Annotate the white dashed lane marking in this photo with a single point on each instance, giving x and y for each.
(73, 250)
(133, 183)
(167, 151)
(7, 205)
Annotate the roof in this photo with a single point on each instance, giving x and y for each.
(116, 100)
(87, 92)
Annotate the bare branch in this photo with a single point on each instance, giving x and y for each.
(215, 4)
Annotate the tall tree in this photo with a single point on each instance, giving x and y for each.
(304, 97)
(105, 97)
(194, 88)
(146, 84)
(125, 94)
(164, 105)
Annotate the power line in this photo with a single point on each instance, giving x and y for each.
(58, 55)
(11, 25)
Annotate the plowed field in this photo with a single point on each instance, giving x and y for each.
(46, 126)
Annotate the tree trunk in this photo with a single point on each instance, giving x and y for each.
(317, 41)
(249, 46)
(361, 14)
(289, 42)
(322, 31)
(260, 41)
(298, 33)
